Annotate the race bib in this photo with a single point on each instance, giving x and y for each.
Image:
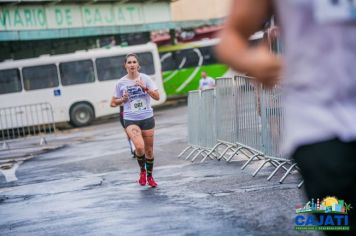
(138, 105)
(332, 11)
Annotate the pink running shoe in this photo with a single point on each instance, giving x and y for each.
(142, 180)
(151, 182)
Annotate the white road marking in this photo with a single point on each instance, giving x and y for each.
(191, 77)
(164, 57)
(10, 171)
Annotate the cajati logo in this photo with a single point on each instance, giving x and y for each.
(327, 214)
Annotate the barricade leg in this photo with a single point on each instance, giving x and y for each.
(261, 166)
(5, 146)
(275, 170)
(43, 141)
(186, 149)
(287, 173)
(233, 154)
(251, 159)
(225, 151)
(191, 153)
(207, 155)
(215, 147)
(196, 155)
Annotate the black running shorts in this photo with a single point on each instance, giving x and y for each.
(145, 124)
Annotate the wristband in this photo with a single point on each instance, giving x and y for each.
(145, 89)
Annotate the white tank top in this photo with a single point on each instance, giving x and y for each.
(319, 41)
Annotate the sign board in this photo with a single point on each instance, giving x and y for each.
(16, 18)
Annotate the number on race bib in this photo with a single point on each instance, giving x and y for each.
(138, 105)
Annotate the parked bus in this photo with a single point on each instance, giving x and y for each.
(182, 64)
(78, 86)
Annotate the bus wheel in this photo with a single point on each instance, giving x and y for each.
(81, 114)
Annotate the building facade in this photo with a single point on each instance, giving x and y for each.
(30, 28)
(187, 10)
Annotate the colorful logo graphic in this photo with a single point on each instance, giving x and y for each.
(328, 214)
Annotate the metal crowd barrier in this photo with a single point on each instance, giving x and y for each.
(26, 120)
(272, 113)
(239, 118)
(226, 123)
(238, 124)
(201, 124)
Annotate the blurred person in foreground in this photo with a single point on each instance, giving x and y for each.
(206, 82)
(319, 82)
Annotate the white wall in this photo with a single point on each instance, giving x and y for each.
(183, 10)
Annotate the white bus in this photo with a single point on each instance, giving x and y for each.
(78, 86)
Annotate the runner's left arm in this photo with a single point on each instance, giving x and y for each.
(153, 94)
(150, 88)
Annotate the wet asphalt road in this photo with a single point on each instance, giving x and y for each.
(89, 187)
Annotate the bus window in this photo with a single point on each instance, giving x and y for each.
(77, 72)
(40, 77)
(10, 81)
(109, 68)
(146, 63)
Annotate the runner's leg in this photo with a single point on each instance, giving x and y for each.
(135, 135)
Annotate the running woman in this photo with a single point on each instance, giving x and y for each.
(134, 91)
